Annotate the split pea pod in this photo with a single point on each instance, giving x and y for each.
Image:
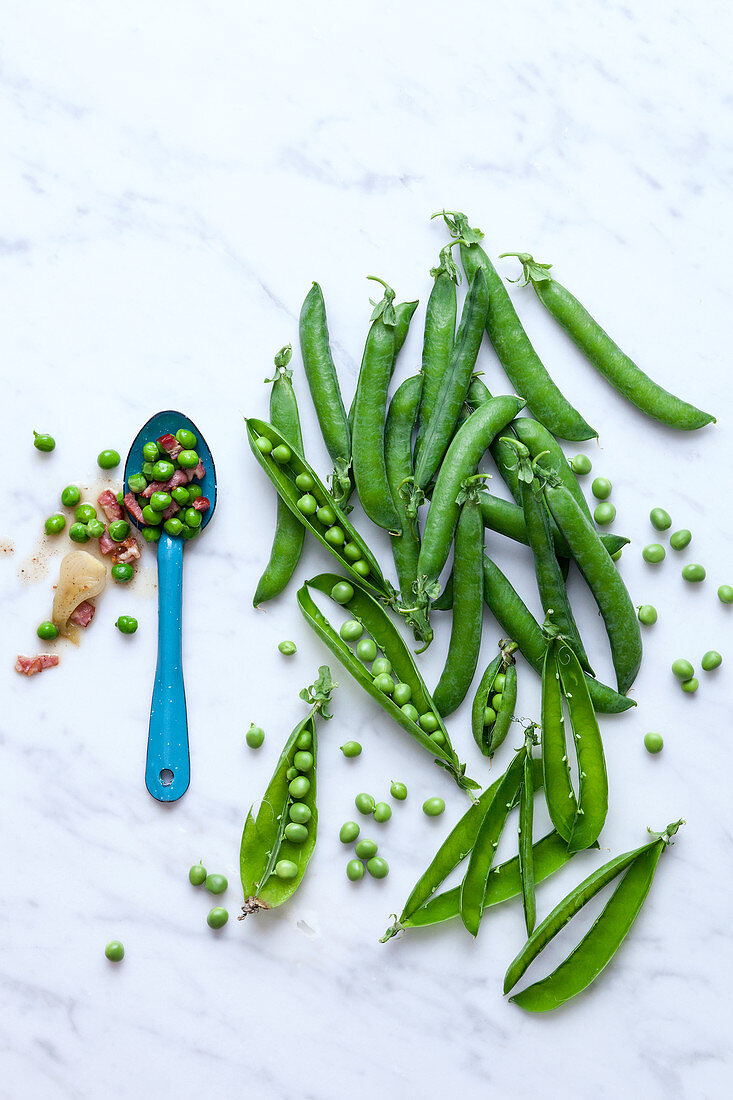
(461, 460)
(603, 939)
(428, 728)
(490, 726)
(523, 366)
(324, 386)
(468, 606)
(518, 622)
(315, 508)
(278, 842)
(440, 332)
(604, 581)
(605, 355)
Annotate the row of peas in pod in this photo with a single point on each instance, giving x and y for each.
(162, 495)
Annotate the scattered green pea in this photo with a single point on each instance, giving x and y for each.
(122, 572)
(107, 460)
(288, 648)
(119, 529)
(725, 593)
(690, 686)
(382, 812)
(653, 742)
(411, 712)
(43, 442)
(398, 791)
(286, 869)
(364, 803)
(377, 867)
(366, 848)
(601, 488)
(680, 539)
(693, 572)
(282, 454)
(150, 452)
(84, 513)
(299, 786)
(711, 660)
(70, 496)
(429, 722)
(653, 553)
(433, 807)
(351, 630)
(295, 833)
(300, 813)
(351, 748)
(217, 917)
(78, 532)
(160, 500)
(152, 516)
(254, 736)
(216, 884)
(147, 469)
(114, 950)
(126, 624)
(342, 592)
(647, 614)
(192, 517)
(181, 495)
(151, 534)
(354, 870)
(682, 669)
(303, 760)
(366, 649)
(47, 631)
(604, 514)
(197, 874)
(581, 465)
(95, 529)
(660, 519)
(348, 832)
(55, 524)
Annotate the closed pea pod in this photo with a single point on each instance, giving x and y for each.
(526, 819)
(439, 337)
(507, 518)
(542, 446)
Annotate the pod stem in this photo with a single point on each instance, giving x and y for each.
(281, 360)
(446, 264)
(384, 309)
(395, 929)
(252, 905)
(458, 225)
(532, 272)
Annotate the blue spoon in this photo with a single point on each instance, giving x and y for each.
(167, 767)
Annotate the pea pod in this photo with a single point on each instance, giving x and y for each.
(289, 534)
(604, 581)
(283, 478)
(602, 940)
(507, 518)
(518, 622)
(523, 367)
(526, 847)
(540, 442)
(320, 371)
(468, 601)
(265, 844)
(440, 332)
(605, 355)
(490, 737)
(365, 609)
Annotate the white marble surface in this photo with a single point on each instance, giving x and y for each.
(174, 176)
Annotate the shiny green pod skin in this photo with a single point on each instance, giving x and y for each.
(523, 366)
(287, 543)
(507, 518)
(526, 848)
(320, 371)
(378, 625)
(264, 842)
(539, 441)
(604, 581)
(518, 622)
(468, 607)
(439, 337)
(489, 739)
(606, 356)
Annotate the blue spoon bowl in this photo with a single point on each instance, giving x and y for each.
(168, 765)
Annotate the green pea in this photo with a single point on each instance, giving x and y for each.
(496, 701)
(148, 471)
(114, 951)
(690, 686)
(647, 614)
(653, 553)
(429, 722)
(254, 736)
(55, 524)
(152, 517)
(78, 532)
(119, 529)
(299, 786)
(188, 460)
(305, 483)
(70, 496)
(327, 516)
(47, 631)
(173, 526)
(366, 649)
(354, 870)
(433, 807)
(489, 716)
(288, 648)
(402, 694)
(351, 551)
(292, 772)
(192, 517)
(364, 803)
(151, 534)
(365, 849)
(382, 812)
(95, 529)
(412, 712)
(286, 869)
(181, 495)
(150, 451)
(122, 572)
(334, 536)
(194, 492)
(84, 513)
(351, 748)
(303, 760)
(107, 460)
(384, 683)
(653, 742)
(604, 514)
(351, 630)
(43, 442)
(660, 519)
(160, 501)
(163, 469)
(188, 532)
(348, 832)
(499, 681)
(186, 438)
(693, 573)
(305, 740)
(197, 874)
(137, 483)
(282, 454)
(378, 867)
(711, 660)
(361, 566)
(398, 791)
(380, 666)
(126, 624)
(308, 504)
(680, 539)
(296, 834)
(617, 555)
(342, 592)
(438, 737)
(216, 884)
(300, 813)
(682, 669)
(601, 488)
(581, 465)
(263, 444)
(217, 917)
(725, 593)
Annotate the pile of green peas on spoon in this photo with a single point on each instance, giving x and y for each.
(163, 491)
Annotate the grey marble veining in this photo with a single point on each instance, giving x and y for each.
(175, 175)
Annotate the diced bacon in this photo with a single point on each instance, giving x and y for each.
(170, 444)
(29, 666)
(202, 504)
(198, 472)
(180, 477)
(83, 614)
(170, 510)
(134, 508)
(109, 504)
(127, 551)
(154, 487)
(106, 543)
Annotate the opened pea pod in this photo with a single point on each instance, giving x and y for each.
(395, 682)
(278, 843)
(490, 724)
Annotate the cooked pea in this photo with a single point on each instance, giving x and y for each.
(296, 834)
(354, 870)
(429, 722)
(653, 742)
(150, 451)
(84, 513)
(351, 748)
(351, 551)
(263, 444)
(148, 471)
(287, 648)
(217, 917)
(433, 807)
(601, 488)
(653, 553)
(489, 716)
(378, 867)
(299, 786)
(173, 526)
(334, 536)
(163, 469)
(194, 492)
(305, 483)
(254, 736)
(122, 572)
(192, 517)
(348, 832)
(307, 504)
(160, 500)
(181, 495)
(660, 520)
(711, 660)
(137, 483)
(682, 669)
(70, 496)
(366, 649)
(188, 533)
(384, 683)
(47, 631)
(361, 566)
(581, 465)
(95, 529)
(126, 624)
(78, 532)
(364, 803)
(725, 593)
(647, 614)
(693, 573)
(604, 514)
(55, 524)
(303, 760)
(114, 951)
(398, 791)
(402, 694)
(43, 442)
(197, 874)
(382, 812)
(680, 539)
(186, 438)
(326, 516)
(107, 460)
(119, 529)
(412, 712)
(690, 686)
(300, 813)
(342, 592)
(151, 534)
(151, 517)
(351, 630)
(188, 460)
(286, 869)
(216, 884)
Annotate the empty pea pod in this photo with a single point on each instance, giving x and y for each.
(364, 608)
(605, 355)
(439, 337)
(490, 736)
(272, 864)
(328, 517)
(596, 949)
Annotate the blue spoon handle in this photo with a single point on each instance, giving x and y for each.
(167, 769)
